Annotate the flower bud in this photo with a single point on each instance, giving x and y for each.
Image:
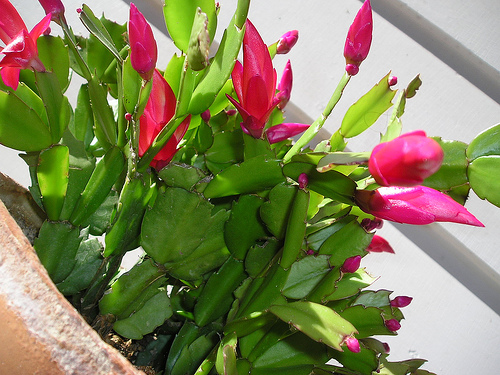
(392, 325)
(143, 50)
(393, 80)
(370, 225)
(285, 86)
(406, 160)
(386, 346)
(128, 116)
(310, 252)
(205, 116)
(303, 181)
(418, 205)
(352, 344)
(287, 41)
(401, 301)
(280, 132)
(359, 39)
(351, 264)
(379, 245)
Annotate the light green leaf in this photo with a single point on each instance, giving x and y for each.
(317, 321)
(483, 175)
(486, 143)
(305, 275)
(363, 114)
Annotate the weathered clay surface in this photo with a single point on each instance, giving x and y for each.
(40, 332)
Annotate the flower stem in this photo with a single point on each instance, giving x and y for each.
(319, 122)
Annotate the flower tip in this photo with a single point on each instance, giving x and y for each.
(379, 245)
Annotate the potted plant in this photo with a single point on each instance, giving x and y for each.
(252, 241)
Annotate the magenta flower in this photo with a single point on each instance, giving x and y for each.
(53, 7)
(392, 325)
(351, 264)
(159, 110)
(352, 344)
(401, 301)
(406, 160)
(143, 50)
(379, 245)
(416, 205)
(359, 39)
(255, 86)
(20, 45)
(287, 41)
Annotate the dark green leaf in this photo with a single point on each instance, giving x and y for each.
(55, 58)
(368, 321)
(276, 210)
(259, 257)
(181, 175)
(305, 275)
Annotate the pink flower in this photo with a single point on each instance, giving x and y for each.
(392, 325)
(406, 160)
(379, 245)
(159, 110)
(352, 344)
(359, 39)
(20, 50)
(287, 41)
(255, 86)
(416, 205)
(401, 301)
(351, 264)
(143, 50)
(53, 7)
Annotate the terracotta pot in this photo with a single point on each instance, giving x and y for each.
(40, 331)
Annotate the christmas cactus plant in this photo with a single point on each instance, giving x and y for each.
(253, 242)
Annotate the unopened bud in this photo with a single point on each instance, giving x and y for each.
(231, 112)
(392, 325)
(287, 41)
(79, 10)
(128, 116)
(205, 116)
(310, 252)
(393, 80)
(386, 346)
(372, 224)
(401, 301)
(352, 344)
(352, 69)
(303, 181)
(351, 264)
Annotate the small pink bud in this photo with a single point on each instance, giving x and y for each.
(231, 112)
(386, 346)
(406, 160)
(287, 41)
(352, 344)
(393, 80)
(401, 301)
(359, 38)
(79, 10)
(392, 325)
(47, 31)
(352, 69)
(310, 252)
(351, 264)
(205, 116)
(303, 181)
(379, 245)
(370, 225)
(128, 116)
